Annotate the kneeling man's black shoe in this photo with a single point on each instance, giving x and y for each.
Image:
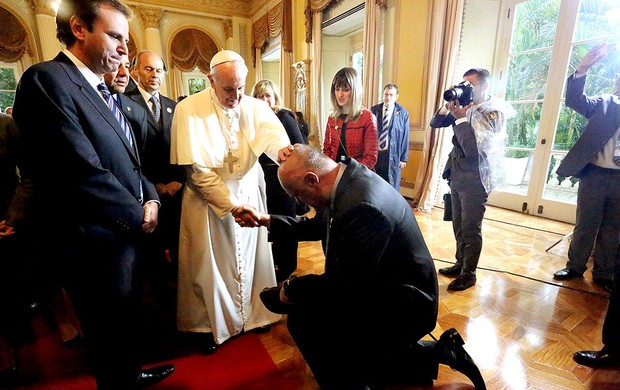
(452, 353)
(154, 375)
(270, 297)
(597, 359)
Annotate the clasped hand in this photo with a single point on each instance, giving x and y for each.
(248, 216)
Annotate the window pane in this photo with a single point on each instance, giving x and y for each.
(196, 85)
(557, 187)
(535, 23)
(523, 129)
(597, 18)
(570, 127)
(527, 76)
(6, 99)
(7, 79)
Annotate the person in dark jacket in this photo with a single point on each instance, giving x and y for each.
(278, 201)
(359, 323)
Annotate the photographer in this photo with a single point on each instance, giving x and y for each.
(474, 165)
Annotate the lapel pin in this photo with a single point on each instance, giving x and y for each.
(169, 110)
(128, 108)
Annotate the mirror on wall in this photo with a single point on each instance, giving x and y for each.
(342, 44)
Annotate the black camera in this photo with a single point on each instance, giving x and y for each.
(464, 93)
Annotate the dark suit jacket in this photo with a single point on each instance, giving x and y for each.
(603, 113)
(377, 264)
(155, 150)
(398, 139)
(76, 153)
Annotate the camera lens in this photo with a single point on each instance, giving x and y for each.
(452, 94)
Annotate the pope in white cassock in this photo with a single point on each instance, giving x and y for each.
(218, 134)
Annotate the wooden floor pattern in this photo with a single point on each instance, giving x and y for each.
(520, 326)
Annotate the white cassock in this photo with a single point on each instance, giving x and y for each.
(222, 266)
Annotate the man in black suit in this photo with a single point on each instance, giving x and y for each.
(88, 186)
(168, 178)
(359, 323)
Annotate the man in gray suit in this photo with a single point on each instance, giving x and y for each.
(595, 159)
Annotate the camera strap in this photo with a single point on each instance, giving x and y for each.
(342, 147)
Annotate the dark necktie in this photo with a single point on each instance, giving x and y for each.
(385, 126)
(120, 117)
(116, 110)
(155, 108)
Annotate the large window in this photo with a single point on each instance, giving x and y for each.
(543, 42)
(8, 84)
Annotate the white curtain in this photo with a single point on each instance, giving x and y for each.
(372, 47)
(445, 37)
(316, 121)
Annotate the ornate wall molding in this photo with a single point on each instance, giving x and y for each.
(150, 16)
(228, 28)
(43, 7)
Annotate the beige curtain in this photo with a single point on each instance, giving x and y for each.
(191, 48)
(445, 35)
(13, 42)
(372, 46)
(315, 120)
(286, 53)
(258, 65)
(269, 26)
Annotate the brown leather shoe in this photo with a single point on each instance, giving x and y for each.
(597, 359)
(455, 270)
(463, 282)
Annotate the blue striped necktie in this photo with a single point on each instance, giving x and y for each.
(120, 117)
(116, 110)
(385, 126)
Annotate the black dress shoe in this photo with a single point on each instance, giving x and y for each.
(270, 297)
(463, 282)
(607, 284)
(452, 353)
(207, 343)
(455, 270)
(597, 359)
(566, 274)
(154, 375)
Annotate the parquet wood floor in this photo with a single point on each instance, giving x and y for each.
(520, 326)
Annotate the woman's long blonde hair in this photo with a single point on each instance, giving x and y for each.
(261, 88)
(347, 78)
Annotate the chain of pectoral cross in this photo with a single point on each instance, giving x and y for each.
(229, 134)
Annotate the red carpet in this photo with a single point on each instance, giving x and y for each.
(240, 363)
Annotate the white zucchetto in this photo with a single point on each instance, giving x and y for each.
(225, 56)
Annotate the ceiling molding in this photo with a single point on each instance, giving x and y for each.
(241, 8)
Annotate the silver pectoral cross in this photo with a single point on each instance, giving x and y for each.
(231, 160)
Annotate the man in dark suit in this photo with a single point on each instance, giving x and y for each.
(168, 178)
(359, 323)
(595, 159)
(88, 185)
(393, 131)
